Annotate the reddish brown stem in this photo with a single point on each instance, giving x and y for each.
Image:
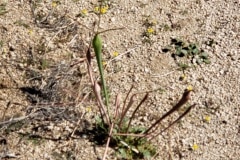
(184, 99)
(134, 112)
(130, 103)
(125, 101)
(179, 118)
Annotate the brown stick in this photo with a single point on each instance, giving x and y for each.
(108, 141)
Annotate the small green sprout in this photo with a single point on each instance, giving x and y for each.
(150, 29)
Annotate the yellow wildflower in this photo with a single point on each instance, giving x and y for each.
(115, 53)
(104, 9)
(189, 88)
(195, 147)
(150, 30)
(54, 4)
(104, 63)
(30, 31)
(207, 118)
(88, 109)
(96, 9)
(84, 11)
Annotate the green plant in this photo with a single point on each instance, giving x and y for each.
(150, 29)
(114, 125)
(191, 52)
(1, 44)
(97, 45)
(21, 23)
(44, 64)
(3, 9)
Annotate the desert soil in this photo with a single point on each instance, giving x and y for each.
(45, 87)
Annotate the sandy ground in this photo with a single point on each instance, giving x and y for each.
(39, 40)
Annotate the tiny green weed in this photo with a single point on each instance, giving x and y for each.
(3, 9)
(190, 52)
(150, 29)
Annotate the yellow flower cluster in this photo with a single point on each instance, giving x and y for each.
(115, 54)
(189, 88)
(150, 30)
(84, 11)
(30, 31)
(195, 147)
(102, 10)
(55, 3)
(207, 118)
(88, 109)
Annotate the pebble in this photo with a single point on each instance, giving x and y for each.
(113, 19)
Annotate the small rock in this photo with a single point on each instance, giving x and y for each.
(113, 19)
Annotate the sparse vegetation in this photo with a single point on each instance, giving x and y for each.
(130, 141)
(3, 9)
(191, 51)
(186, 55)
(150, 29)
(88, 80)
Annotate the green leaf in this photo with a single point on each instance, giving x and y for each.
(122, 153)
(207, 61)
(183, 66)
(98, 119)
(97, 45)
(192, 45)
(184, 52)
(195, 51)
(147, 155)
(44, 64)
(178, 51)
(3, 9)
(1, 44)
(204, 55)
(199, 61)
(137, 130)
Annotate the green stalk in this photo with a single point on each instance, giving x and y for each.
(97, 45)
